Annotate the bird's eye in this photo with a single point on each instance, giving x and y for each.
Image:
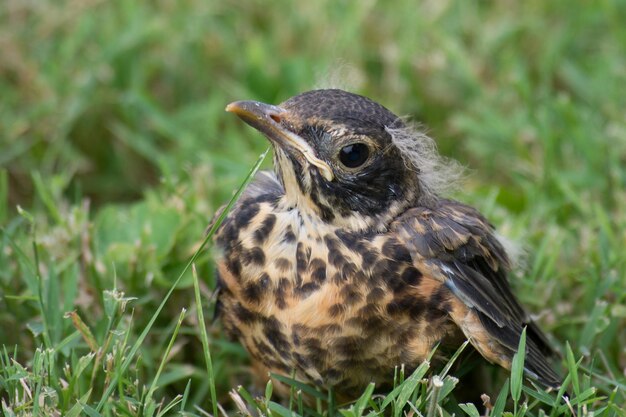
(354, 155)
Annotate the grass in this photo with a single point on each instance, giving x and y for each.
(115, 152)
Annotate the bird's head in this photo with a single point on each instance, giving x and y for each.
(346, 158)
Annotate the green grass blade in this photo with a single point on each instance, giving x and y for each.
(498, 407)
(572, 367)
(46, 197)
(205, 341)
(436, 386)
(453, 359)
(470, 409)
(363, 401)
(299, 385)
(40, 296)
(403, 392)
(517, 369)
(77, 408)
(183, 402)
(166, 355)
(4, 196)
(281, 411)
(595, 322)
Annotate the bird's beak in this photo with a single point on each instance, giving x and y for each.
(267, 118)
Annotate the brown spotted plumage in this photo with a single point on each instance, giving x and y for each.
(345, 262)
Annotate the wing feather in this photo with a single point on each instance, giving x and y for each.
(459, 245)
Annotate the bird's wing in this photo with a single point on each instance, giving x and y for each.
(456, 244)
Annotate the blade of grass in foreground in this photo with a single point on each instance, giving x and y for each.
(205, 340)
(144, 333)
(150, 404)
(517, 371)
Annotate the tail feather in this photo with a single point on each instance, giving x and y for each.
(498, 344)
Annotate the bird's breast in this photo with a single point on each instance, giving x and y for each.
(333, 306)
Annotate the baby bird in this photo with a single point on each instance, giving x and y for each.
(345, 262)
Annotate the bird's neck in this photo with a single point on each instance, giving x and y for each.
(351, 221)
(300, 194)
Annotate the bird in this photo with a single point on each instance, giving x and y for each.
(346, 261)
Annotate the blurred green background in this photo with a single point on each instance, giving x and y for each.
(114, 142)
